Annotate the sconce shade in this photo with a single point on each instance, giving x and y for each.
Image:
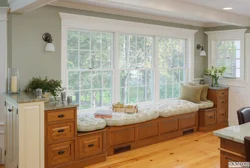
(49, 47)
(203, 53)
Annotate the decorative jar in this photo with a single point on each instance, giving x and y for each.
(13, 81)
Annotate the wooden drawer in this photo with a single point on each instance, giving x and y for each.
(121, 136)
(61, 153)
(187, 121)
(167, 125)
(222, 93)
(210, 118)
(60, 115)
(222, 103)
(222, 114)
(147, 130)
(89, 145)
(59, 132)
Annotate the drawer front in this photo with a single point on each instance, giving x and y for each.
(61, 153)
(210, 118)
(60, 115)
(222, 93)
(168, 125)
(59, 132)
(147, 130)
(222, 103)
(222, 114)
(89, 146)
(187, 121)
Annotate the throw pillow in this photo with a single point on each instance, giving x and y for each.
(203, 91)
(191, 93)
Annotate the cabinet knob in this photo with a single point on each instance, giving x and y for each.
(61, 152)
(9, 110)
(211, 117)
(60, 116)
(91, 145)
(222, 93)
(61, 130)
(222, 114)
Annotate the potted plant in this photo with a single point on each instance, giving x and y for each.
(49, 87)
(215, 73)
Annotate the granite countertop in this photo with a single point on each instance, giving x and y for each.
(23, 97)
(218, 88)
(51, 106)
(234, 133)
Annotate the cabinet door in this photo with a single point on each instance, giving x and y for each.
(11, 138)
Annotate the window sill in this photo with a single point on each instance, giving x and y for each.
(233, 82)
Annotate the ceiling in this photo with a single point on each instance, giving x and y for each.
(205, 13)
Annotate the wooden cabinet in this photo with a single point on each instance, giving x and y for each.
(60, 133)
(216, 117)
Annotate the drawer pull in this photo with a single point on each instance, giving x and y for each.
(60, 116)
(223, 101)
(91, 145)
(61, 130)
(222, 93)
(61, 152)
(9, 110)
(222, 114)
(211, 117)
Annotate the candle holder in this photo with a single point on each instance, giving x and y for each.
(13, 81)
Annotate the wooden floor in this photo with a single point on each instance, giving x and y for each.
(197, 150)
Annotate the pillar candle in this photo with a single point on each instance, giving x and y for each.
(13, 84)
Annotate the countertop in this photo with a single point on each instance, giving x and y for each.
(23, 97)
(234, 133)
(219, 88)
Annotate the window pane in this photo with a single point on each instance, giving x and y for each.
(84, 60)
(95, 59)
(75, 96)
(86, 80)
(107, 79)
(72, 59)
(107, 97)
(132, 95)
(163, 91)
(96, 80)
(72, 40)
(85, 100)
(96, 40)
(85, 40)
(73, 80)
(141, 94)
(124, 95)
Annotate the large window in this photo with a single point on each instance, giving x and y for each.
(228, 55)
(136, 68)
(105, 61)
(171, 66)
(90, 68)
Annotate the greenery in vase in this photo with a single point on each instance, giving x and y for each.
(215, 72)
(53, 86)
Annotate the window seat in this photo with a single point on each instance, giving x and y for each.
(147, 111)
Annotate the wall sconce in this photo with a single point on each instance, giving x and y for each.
(200, 47)
(48, 39)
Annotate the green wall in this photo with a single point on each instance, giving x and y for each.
(26, 47)
(3, 3)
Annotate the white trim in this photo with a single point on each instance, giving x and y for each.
(238, 34)
(72, 21)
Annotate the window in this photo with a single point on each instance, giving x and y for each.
(127, 62)
(89, 66)
(171, 66)
(228, 55)
(136, 68)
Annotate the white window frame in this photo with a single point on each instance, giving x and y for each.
(213, 38)
(72, 21)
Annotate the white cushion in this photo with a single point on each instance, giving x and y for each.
(205, 104)
(174, 107)
(86, 121)
(145, 113)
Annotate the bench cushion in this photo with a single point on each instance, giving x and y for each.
(145, 113)
(205, 104)
(86, 121)
(174, 107)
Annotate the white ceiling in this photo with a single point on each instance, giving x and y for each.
(204, 13)
(241, 7)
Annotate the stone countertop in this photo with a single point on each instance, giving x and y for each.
(219, 88)
(23, 97)
(50, 106)
(234, 133)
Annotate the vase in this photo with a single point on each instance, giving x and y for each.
(215, 81)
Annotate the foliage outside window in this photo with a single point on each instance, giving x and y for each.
(136, 68)
(90, 68)
(228, 55)
(171, 66)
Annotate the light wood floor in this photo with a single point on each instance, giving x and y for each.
(197, 150)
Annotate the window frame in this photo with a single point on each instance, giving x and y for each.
(78, 22)
(224, 35)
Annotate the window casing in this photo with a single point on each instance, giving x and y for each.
(144, 76)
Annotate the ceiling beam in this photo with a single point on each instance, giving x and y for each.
(172, 9)
(22, 6)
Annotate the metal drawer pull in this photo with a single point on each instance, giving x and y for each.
(222, 93)
(60, 116)
(211, 117)
(61, 130)
(91, 145)
(9, 110)
(223, 101)
(61, 152)
(222, 114)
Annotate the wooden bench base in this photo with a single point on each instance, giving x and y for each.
(124, 138)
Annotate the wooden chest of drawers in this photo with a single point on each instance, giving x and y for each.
(216, 117)
(65, 148)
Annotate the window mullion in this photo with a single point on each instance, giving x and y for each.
(116, 72)
(156, 69)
